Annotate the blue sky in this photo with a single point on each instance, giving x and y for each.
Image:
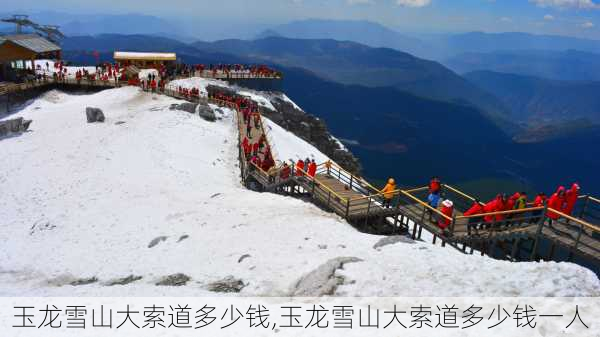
(565, 17)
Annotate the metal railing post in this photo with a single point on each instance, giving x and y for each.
(585, 205)
(347, 208)
(539, 232)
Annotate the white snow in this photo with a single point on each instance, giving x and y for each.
(199, 83)
(287, 99)
(81, 200)
(289, 147)
(261, 100)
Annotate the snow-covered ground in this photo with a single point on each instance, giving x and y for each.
(201, 84)
(86, 200)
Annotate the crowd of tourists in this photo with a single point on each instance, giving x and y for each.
(234, 70)
(497, 210)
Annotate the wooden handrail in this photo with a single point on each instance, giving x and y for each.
(579, 221)
(418, 189)
(594, 199)
(461, 193)
(426, 205)
(512, 211)
(355, 177)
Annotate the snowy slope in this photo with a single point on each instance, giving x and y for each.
(86, 200)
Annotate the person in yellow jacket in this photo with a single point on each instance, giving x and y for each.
(388, 193)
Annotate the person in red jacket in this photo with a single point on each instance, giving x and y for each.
(571, 199)
(434, 185)
(245, 142)
(476, 208)
(556, 202)
(312, 168)
(500, 207)
(285, 171)
(510, 204)
(248, 151)
(299, 168)
(447, 210)
(491, 207)
(255, 148)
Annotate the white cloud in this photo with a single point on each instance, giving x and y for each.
(587, 25)
(413, 3)
(505, 19)
(548, 17)
(577, 4)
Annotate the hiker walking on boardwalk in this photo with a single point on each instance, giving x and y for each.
(447, 210)
(388, 193)
(556, 202)
(491, 207)
(299, 168)
(433, 200)
(476, 208)
(312, 169)
(571, 198)
(249, 130)
(435, 185)
(285, 171)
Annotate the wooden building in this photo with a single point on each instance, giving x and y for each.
(144, 60)
(19, 52)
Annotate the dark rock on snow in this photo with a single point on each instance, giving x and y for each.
(206, 112)
(84, 281)
(227, 285)
(94, 115)
(390, 240)
(156, 241)
(123, 281)
(16, 125)
(175, 280)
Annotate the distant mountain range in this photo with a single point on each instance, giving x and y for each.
(479, 42)
(395, 132)
(353, 63)
(364, 32)
(430, 46)
(558, 65)
(538, 101)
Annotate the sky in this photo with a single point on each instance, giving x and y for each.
(580, 18)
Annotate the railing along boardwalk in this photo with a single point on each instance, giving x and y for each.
(360, 203)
